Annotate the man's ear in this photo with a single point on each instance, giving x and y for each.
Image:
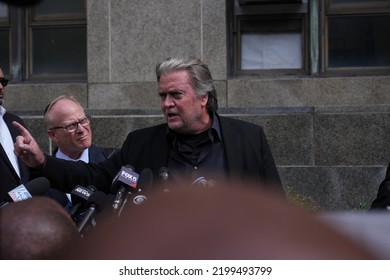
(52, 135)
(205, 99)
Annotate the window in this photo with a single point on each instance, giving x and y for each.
(357, 36)
(4, 38)
(262, 44)
(319, 37)
(270, 37)
(47, 42)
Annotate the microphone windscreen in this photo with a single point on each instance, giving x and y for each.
(130, 166)
(99, 199)
(92, 188)
(38, 186)
(145, 180)
(81, 194)
(125, 177)
(163, 174)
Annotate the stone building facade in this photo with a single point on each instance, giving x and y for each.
(330, 136)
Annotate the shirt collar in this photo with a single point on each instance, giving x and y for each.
(216, 127)
(2, 111)
(84, 156)
(215, 130)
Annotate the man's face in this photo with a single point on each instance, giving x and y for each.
(63, 113)
(1, 89)
(184, 111)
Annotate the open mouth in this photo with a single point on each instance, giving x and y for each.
(171, 115)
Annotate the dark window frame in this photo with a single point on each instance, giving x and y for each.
(5, 26)
(372, 5)
(374, 8)
(264, 12)
(21, 23)
(316, 42)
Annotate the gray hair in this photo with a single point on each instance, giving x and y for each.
(199, 73)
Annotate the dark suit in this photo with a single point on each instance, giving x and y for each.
(248, 156)
(96, 154)
(9, 179)
(382, 200)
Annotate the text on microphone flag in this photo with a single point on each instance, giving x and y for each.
(19, 193)
(129, 177)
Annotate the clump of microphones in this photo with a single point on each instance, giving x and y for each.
(89, 205)
(128, 189)
(36, 187)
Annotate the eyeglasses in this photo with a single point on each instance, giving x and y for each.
(73, 126)
(4, 82)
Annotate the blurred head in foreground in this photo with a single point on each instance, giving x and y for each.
(218, 223)
(36, 228)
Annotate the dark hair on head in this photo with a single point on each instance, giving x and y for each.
(200, 77)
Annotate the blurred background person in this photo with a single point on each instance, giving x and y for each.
(35, 228)
(382, 200)
(220, 223)
(13, 171)
(69, 128)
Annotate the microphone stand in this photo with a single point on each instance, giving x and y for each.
(88, 216)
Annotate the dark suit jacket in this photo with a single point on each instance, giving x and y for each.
(382, 200)
(96, 154)
(247, 152)
(9, 179)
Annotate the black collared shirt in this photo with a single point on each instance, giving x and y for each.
(194, 156)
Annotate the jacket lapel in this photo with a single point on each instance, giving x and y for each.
(232, 145)
(24, 172)
(5, 159)
(159, 151)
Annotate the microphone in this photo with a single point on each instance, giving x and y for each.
(126, 177)
(144, 183)
(96, 203)
(35, 187)
(163, 175)
(202, 182)
(80, 196)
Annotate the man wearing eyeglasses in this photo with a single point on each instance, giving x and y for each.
(13, 171)
(195, 140)
(69, 127)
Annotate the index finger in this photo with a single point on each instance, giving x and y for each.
(25, 133)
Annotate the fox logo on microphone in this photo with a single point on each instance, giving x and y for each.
(130, 177)
(127, 176)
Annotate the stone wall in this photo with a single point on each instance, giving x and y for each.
(329, 136)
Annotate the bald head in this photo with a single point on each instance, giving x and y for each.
(36, 228)
(62, 112)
